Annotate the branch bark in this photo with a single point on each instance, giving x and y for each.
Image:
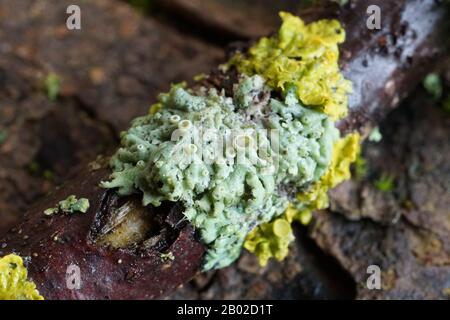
(118, 244)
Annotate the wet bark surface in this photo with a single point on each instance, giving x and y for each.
(112, 71)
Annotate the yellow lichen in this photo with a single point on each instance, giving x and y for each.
(270, 240)
(345, 152)
(13, 280)
(265, 242)
(305, 56)
(154, 108)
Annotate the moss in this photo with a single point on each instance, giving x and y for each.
(304, 56)
(360, 167)
(13, 280)
(70, 205)
(433, 84)
(47, 174)
(35, 169)
(385, 183)
(52, 85)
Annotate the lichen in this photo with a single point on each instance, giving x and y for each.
(270, 239)
(304, 56)
(225, 194)
(266, 243)
(70, 205)
(375, 135)
(289, 85)
(13, 280)
(345, 152)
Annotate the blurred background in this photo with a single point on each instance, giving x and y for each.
(65, 96)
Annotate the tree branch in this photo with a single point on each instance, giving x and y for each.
(118, 244)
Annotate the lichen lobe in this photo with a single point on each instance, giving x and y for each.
(13, 280)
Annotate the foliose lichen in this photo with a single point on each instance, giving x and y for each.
(215, 155)
(375, 135)
(265, 242)
(246, 166)
(70, 205)
(13, 280)
(270, 239)
(304, 56)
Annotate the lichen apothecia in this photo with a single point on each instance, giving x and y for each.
(279, 149)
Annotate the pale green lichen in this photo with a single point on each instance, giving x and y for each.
(375, 135)
(265, 242)
(225, 197)
(14, 284)
(303, 58)
(70, 205)
(289, 84)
